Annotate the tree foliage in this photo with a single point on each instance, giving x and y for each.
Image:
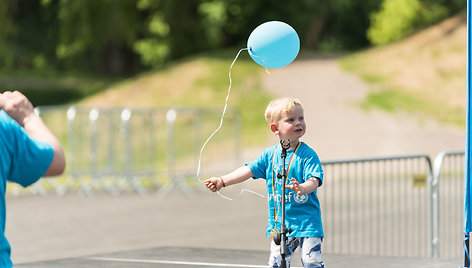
(122, 37)
(100, 30)
(393, 21)
(398, 18)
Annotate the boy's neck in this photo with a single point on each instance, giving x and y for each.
(293, 145)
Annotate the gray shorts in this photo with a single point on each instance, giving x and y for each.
(310, 250)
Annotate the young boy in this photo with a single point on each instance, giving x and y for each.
(303, 169)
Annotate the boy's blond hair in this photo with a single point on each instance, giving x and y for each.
(278, 107)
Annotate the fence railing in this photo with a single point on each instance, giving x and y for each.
(394, 206)
(139, 149)
(377, 206)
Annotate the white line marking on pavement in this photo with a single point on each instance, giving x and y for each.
(178, 262)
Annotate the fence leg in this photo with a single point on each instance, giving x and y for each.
(174, 179)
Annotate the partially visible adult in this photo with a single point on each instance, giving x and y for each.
(28, 151)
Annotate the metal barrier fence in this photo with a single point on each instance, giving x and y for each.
(377, 206)
(122, 149)
(394, 206)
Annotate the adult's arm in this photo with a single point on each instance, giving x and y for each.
(18, 107)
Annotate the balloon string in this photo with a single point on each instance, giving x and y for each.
(222, 115)
(252, 192)
(221, 124)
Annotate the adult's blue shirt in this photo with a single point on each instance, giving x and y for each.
(302, 212)
(23, 160)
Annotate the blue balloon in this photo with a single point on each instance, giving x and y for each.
(273, 44)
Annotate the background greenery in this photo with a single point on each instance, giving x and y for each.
(64, 51)
(124, 37)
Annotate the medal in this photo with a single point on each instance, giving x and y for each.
(273, 233)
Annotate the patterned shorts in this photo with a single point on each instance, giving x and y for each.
(310, 250)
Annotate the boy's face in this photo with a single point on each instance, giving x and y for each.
(291, 126)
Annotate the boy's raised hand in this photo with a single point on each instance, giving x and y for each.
(295, 186)
(214, 183)
(304, 188)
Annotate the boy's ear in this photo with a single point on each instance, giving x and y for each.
(274, 128)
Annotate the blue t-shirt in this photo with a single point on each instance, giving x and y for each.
(23, 160)
(302, 212)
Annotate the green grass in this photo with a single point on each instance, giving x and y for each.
(247, 95)
(353, 63)
(394, 100)
(382, 95)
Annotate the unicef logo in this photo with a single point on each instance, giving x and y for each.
(300, 199)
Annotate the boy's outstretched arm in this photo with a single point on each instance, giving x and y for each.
(304, 188)
(239, 175)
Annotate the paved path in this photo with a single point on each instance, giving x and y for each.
(52, 227)
(337, 128)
